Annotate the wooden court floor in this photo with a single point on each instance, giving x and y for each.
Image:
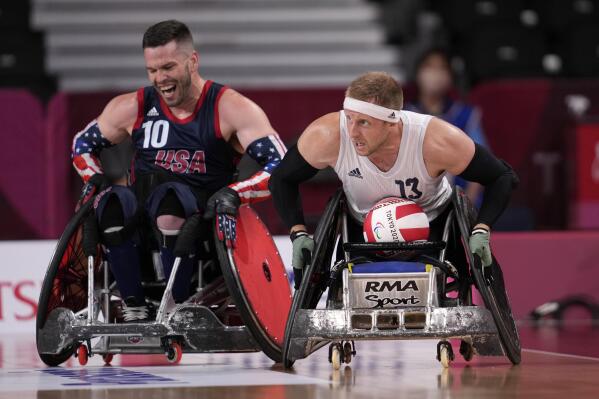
(384, 369)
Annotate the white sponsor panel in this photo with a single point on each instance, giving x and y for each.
(24, 265)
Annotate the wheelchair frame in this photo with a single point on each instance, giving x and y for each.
(483, 331)
(64, 332)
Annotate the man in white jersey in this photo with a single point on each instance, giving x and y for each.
(378, 151)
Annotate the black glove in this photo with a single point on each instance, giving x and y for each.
(224, 201)
(100, 181)
(94, 185)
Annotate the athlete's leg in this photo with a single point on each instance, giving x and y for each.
(116, 209)
(168, 206)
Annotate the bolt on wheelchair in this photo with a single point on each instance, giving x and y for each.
(428, 297)
(241, 302)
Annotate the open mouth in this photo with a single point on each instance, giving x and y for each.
(168, 90)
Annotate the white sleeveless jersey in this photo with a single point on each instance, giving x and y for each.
(364, 184)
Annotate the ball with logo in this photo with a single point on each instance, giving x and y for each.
(395, 219)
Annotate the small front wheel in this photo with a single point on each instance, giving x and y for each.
(107, 358)
(82, 354)
(336, 356)
(174, 353)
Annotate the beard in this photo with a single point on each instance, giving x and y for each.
(181, 90)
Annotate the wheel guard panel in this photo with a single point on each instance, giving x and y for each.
(262, 274)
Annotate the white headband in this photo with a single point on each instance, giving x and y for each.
(376, 111)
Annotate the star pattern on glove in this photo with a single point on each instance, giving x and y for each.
(226, 229)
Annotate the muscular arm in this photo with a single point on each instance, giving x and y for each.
(112, 127)
(448, 148)
(247, 129)
(317, 148)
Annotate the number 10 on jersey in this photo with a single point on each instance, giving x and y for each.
(155, 133)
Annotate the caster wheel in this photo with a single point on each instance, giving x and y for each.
(347, 353)
(336, 357)
(466, 350)
(174, 353)
(82, 354)
(107, 358)
(445, 353)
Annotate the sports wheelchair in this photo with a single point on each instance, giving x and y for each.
(429, 297)
(241, 307)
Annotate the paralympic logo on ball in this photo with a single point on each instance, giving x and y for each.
(379, 226)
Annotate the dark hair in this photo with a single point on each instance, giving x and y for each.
(440, 51)
(163, 32)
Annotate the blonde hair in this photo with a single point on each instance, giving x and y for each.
(378, 88)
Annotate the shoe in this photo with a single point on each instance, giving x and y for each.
(134, 312)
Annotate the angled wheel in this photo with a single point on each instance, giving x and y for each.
(174, 353)
(492, 290)
(82, 354)
(257, 281)
(65, 282)
(313, 286)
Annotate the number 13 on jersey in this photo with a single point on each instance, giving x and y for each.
(412, 185)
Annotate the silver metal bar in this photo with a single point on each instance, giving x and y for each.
(345, 282)
(446, 235)
(90, 289)
(200, 274)
(344, 233)
(166, 297)
(158, 266)
(106, 294)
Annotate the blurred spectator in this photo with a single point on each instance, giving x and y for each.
(436, 96)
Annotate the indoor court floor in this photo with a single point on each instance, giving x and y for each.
(558, 363)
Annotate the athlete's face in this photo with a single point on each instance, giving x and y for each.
(170, 68)
(367, 134)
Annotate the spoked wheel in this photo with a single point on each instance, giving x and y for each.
(65, 282)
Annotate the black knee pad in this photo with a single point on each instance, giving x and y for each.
(114, 229)
(171, 205)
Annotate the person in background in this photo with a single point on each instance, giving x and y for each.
(435, 96)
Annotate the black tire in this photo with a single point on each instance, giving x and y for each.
(494, 293)
(496, 300)
(66, 275)
(309, 293)
(230, 275)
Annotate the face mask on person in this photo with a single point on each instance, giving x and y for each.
(434, 81)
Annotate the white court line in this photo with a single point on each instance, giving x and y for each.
(561, 354)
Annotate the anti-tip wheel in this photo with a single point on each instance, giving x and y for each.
(444, 357)
(445, 353)
(174, 353)
(107, 357)
(466, 350)
(336, 357)
(348, 352)
(82, 354)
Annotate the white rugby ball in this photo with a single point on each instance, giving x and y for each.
(395, 219)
